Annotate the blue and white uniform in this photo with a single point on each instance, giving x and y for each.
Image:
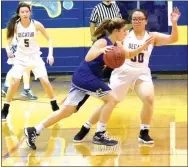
(87, 80)
(125, 77)
(27, 55)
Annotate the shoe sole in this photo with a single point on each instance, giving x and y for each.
(78, 141)
(95, 142)
(145, 142)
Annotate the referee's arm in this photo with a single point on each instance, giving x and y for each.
(93, 21)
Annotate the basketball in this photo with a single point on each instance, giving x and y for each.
(114, 58)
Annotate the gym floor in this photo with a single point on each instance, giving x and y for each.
(56, 148)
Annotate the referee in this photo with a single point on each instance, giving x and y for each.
(104, 10)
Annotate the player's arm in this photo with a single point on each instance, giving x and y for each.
(164, 39)
(129, 53)
(98, 48)
(8, 44)
(10, 54)
(40, 27)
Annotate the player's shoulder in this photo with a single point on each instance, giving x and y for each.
(130, 33)
(102, 42)
(154, 34)
(37, 24)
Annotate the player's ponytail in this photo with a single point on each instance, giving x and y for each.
(11, 23)
(102, 30)
(11, 26)
(107, 27)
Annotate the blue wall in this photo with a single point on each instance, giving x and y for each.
(166, 58)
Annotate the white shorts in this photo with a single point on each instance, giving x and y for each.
(37, 66)
(74, 98)
(77, 96)
(10, 61)
(125, 77)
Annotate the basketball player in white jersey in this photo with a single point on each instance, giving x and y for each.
(27, 92)
(135, 73)
(27, 55)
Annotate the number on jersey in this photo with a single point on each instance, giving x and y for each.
(26, 42)
(139, 58)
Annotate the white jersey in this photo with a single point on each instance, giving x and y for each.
(27, 45)
(142, 59)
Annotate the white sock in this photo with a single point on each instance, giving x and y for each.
(88, 125)
(144, 126)
(53, 99)
(101, 127)
(26, 86)
(26, 79)
(39, 128)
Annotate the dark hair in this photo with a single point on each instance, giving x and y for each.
(11, 23)
(138, 10)
(107, 26)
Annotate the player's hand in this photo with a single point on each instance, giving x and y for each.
(106, 49)
(175, 15)
(10, 54)
(149, 41)
(119, 44)
(50, 60)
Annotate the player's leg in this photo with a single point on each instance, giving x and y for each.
(7, 83)
(69, 106)
(106, 109)
(145, 91)
(99, 89)
(41, 73)
(119, 86)
(17, 72)
(27, 92)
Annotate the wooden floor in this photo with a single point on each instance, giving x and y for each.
(55, 146)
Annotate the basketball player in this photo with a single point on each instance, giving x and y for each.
(135, 72)
(27, 56)
(27, 92)
(87, 80)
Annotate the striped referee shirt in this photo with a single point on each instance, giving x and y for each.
(103, 11)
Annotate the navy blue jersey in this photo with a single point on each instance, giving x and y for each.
(88, 75)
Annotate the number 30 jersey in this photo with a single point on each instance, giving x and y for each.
(131, 42)
(27, 44)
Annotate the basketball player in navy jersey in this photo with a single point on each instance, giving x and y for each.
(135, 73)
(27, 55)
(87, 80)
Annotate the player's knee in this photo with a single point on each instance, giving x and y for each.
(113, 99)
(149, 99)
(14, 82)
(45, 80)
(65, 113)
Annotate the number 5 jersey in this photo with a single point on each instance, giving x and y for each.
(27, 45)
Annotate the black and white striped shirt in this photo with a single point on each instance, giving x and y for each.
(103, 11)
